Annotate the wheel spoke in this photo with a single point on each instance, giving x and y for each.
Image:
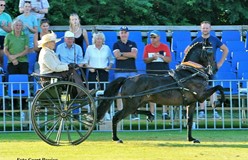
(50, 131)
(41, 125)
(85, 122)
(53, 114)
(58, 96)
(77, 130)
(48, 96)
(79, 105)
(43, 111)
(59, 131)
(67, 130)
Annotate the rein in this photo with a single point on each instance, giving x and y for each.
(164, 87)
(125, 70)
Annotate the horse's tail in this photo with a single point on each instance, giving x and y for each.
(111, 90)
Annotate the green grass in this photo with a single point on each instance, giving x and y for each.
(169, 145)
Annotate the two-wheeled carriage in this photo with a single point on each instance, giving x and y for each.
(61, 116)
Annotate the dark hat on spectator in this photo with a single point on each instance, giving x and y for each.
(155, 33)
(124, 28)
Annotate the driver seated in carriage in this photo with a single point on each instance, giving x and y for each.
(51, 66)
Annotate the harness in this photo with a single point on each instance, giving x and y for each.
(195, 71)
(179, 82)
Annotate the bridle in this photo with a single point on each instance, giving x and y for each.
(207, 52)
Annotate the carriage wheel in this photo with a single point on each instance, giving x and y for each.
(63, 113)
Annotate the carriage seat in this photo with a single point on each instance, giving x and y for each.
(46, 79)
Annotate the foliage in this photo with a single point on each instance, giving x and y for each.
(144, 12)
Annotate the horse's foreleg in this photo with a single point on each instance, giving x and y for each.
(211, 91)
(190, 114)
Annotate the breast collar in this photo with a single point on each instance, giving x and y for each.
(193, 64)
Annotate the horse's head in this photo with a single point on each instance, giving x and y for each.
(201, 54)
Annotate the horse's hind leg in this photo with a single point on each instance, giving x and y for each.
(116, 119)
(150, 116)
(190, 114)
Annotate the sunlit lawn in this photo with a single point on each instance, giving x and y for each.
(164, 145)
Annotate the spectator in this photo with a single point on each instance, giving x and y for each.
(5, 27)
(69, 52)
(98, 55)
(16, 49)
(30, 24)
(125, 52)
(39, 8)
(216, 43)
(44, 25)
(50, 63)
(157, 57)
(79, 33)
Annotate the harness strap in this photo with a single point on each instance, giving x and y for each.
(193, 64)
(199, 72)
(179, 83)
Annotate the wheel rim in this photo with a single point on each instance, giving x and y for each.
(60, 116)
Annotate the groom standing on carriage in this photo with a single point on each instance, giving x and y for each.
(216, 43)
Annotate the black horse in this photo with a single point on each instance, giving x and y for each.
(186, 85)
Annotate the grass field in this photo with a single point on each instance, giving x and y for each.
(163, 145)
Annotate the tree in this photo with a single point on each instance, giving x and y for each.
(144, 12)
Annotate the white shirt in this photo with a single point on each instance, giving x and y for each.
(98, 58)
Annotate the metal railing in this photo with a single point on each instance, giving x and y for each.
(14, 117)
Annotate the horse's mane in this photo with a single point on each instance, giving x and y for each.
(186, 60)
(190, 48)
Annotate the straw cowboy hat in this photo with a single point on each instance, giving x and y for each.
(47, 38)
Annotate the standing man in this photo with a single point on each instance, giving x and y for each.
(5, 27)
(125, 52)
(157, 57)
(69, 52)
(39, 8)
(30, 24)
(216, 43)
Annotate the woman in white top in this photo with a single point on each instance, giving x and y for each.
(98, 58)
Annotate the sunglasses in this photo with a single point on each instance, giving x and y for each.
(2, 5)
(27, 1)
(153, 37)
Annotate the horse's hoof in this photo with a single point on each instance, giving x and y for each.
(119, 141)
(196, 141)
(150, 118)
